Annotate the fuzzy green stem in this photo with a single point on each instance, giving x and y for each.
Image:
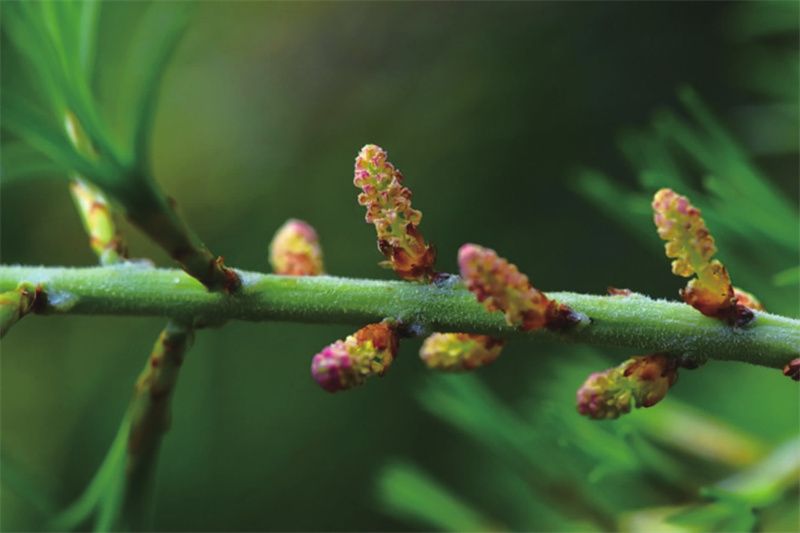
(635, 322)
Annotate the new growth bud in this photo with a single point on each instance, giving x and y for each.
(500, 286)
(692, 247)
(388, 205)
(348, 363)
(643, 381)
(459, 351)
(295, 250)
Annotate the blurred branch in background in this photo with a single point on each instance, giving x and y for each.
(588, 476)
(732, 504)
(770, 68)
(409, 492)
(121, 494)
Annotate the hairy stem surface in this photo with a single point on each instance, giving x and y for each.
(636, 322)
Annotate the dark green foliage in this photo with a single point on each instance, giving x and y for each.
(271, 99)
(57, 44)
(631, 473)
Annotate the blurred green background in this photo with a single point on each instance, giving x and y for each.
(491, 111)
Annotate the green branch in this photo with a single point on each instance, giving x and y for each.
(636, 322)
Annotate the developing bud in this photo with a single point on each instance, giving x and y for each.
(500, 286)
(641, 380)
(348, 363)
(389, 208)
(459, 351)
(295, 250)
(691, 246)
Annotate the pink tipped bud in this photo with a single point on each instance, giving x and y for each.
(333, 368)
(348, 363)
(459, 351)
(643, 381)
(692, 247)
(679, 223)
(295, 250)
(389, 208)
(601, 396)
(500, 286)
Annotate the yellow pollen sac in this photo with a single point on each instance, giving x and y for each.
(459, 351)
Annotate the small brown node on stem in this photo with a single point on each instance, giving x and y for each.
(614, 291)
(792, 369)
(230, 279)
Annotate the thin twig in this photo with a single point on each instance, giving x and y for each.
(635, 322)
